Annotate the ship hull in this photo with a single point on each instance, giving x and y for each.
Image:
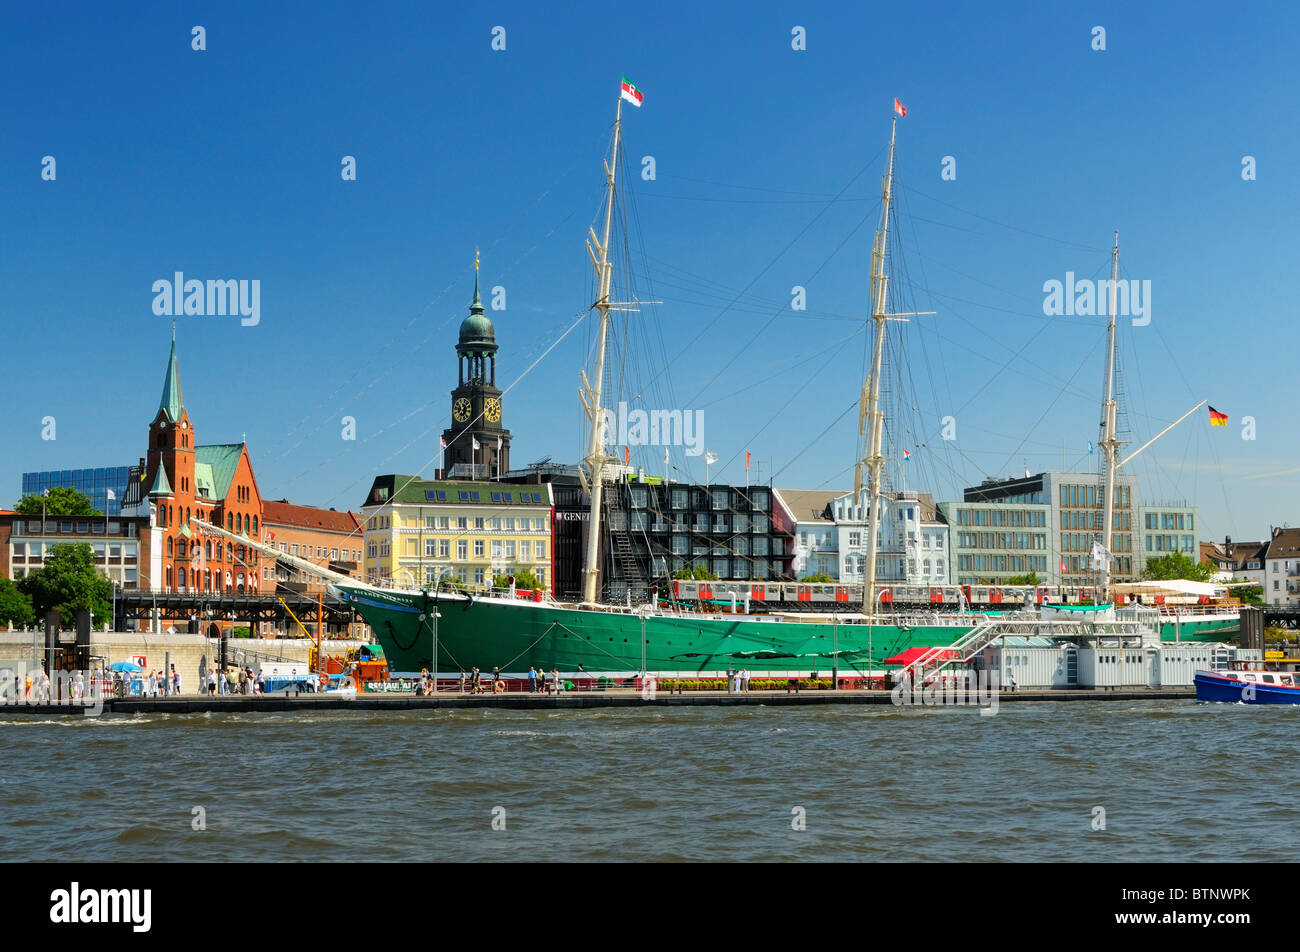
(1209, 629)
(514, 635)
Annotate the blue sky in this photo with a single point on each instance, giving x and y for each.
(225, 163)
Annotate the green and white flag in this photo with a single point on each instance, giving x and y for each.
(631, 93)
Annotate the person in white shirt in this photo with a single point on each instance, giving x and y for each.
(744, 679)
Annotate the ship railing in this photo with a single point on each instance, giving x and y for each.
(934, 660)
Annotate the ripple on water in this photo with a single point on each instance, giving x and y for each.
(655, 784)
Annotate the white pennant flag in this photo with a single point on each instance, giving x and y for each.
(710, 458)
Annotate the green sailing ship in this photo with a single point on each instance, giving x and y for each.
(452, 630)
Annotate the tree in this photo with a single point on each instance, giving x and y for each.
(15, 607)
(1249, 594)
(699, 573)
(1029, 578)
(69, 583)
(819, 577)
(61, 501)
(524, 580)
(1176, 565)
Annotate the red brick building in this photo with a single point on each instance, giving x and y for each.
(181, 482)
(330, 538)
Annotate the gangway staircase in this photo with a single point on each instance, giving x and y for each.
(934, 661)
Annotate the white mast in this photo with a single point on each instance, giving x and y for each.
(1109, 444)
(592, 478)
(871, 412)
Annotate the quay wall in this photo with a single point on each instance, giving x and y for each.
(186, 650)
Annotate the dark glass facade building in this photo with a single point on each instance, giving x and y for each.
(94, 483)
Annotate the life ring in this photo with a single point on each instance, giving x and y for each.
(499, 687)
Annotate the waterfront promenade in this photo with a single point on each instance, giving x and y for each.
(576, 700)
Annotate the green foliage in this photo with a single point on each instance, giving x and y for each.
(69, 582)
(1029, 578)
(15, 606)
(524, 580)
(1176, 565)
(1249, 594)
(699, 573)
(61, 501)
(241, 632)
(819, 577)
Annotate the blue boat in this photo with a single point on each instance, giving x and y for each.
(1272, 681)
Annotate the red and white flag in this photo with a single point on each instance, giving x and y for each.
(900, 108)
(631, 93)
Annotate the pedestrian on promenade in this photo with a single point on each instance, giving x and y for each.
(176, 681)
(555, 679)
(1012, 679)
(532, 679)
(212, 682)
(462, 680)
(496, 676)
(744, 680)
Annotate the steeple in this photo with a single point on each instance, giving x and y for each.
(172, 400)
(161, 487)
(476, 306)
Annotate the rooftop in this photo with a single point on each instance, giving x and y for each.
(284, 513)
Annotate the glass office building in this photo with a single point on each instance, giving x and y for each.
(95, 483)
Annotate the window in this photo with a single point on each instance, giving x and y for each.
(462, 549)
(496, 548)
(431, 548)
(510, 548)
(526, 551)
(478, 548)
(540, 546)
(478, 522)
(444, 548)
(462, 522)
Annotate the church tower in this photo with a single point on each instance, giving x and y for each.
(169, 469)
(477, 445)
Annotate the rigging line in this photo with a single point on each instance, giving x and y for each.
(1049, 407)
(749, 188)
(780, 311)
(1010, 360)
(509, 229)
(436, 332)
(993, 221)
(925, 350)
(829, 426)
(785, 366)
(1079, 320)
(754, 201)
(772, 263)
(773, 418)
(581, 315)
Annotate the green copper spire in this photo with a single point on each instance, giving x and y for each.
(161, 487)
(476, 305)
(172, 400)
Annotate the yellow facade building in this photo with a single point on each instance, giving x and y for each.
(418, 530)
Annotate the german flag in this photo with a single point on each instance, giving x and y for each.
(1217, 418)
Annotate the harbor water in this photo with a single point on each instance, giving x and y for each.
(1157, 780)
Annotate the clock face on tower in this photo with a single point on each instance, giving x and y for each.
(492, 410)
(460, 410)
